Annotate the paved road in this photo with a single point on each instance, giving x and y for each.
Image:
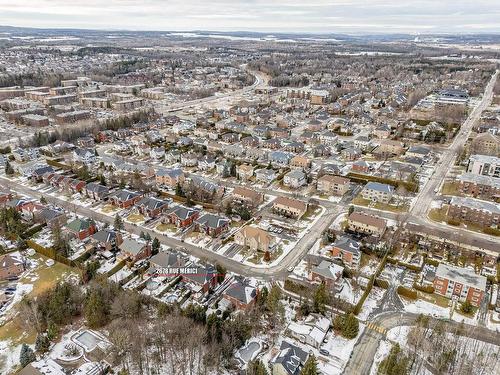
(260, 79)
(447, 160)
(273, 272)
(364, 351)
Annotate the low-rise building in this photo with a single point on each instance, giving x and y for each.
(366, 224)
(289, 207)
(484, 187)
(335, 185)
(257, 239)
(486, 214)
(484, 165)
(461, 283)
(295, 179)
(347, 249)
(11, 265)
(377, 192)
(248, 196)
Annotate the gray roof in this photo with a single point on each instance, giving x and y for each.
(291, 357)
(462, 275)
(347, 244)
(480, 179)
(212, 221)
(152, 203)
(132, 246)
(105, 235)
(385, 188)
(476, 204)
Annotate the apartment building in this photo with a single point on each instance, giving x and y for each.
(478, 186)
(474, 211)
(366, 224)
(377, 192)
(460, 283)
(289, 207)
(335, 185)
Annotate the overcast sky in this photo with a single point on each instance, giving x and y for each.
(317, 16)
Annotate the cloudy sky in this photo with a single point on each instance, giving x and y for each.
(316, 16)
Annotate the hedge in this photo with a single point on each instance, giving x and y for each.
(31, 231)
(381, 283)
(408, 293)
(116, 268)
(492, 231)
(295, 287)
(432, 262)
(363, 178)
(424, 288)
(57, 164)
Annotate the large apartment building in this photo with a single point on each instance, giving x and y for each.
(461, 283)
(474, 211)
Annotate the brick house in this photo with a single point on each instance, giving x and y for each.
(347, 249)
(124, 198)
(81, 228)
(182, 216)
(134, 250)
(211, 224)
(326, 272)
(478, 186)
(11, 265)
(152, 207)
(242, 294)
(204, 278)
(95, 191)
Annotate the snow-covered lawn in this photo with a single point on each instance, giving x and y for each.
(373, 300)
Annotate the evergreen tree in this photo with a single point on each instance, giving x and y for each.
(95, 309)
(347, 325)
(43, 200)
(42, 343)
(320, 299)
(256, 368)
(310, 367)
(118, 223)
(26, 356)
(155, 246)
(102, 180)
(8, 169)
(396, 363)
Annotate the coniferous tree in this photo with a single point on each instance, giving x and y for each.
(310, 367)
(26, 356)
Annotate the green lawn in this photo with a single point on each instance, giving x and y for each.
(135, 218)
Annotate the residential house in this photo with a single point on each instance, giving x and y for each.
(265, 176)
(300, 162)
(242, 293)
(348, 250)
(244, 172)
(311, 331)
(169, 177)
(51, 217)
(134, 250)
(12, 265)
(289, 360)
(203, 278)
(360, 166)
(255, 238)
(81, 228)
(335, 185)
(182, 216)
(84, 155)
(212, 225)
(124, 198)
(107, 239)
(295, 179)
(96, 191)
(152, 207)
(248, 196)
(326, 272)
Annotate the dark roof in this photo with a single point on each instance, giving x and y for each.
(212, 221)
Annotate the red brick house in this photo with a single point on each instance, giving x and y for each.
(134, 250)
(213, 225)
(81, 228)
(205, 278)
(11, 265)
(124, 198)
(152, 207)
(182, 216)
(241, 294)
